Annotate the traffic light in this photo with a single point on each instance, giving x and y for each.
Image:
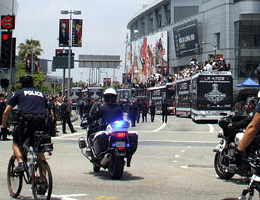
(6, 45)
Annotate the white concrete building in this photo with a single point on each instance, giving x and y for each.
(198, 28)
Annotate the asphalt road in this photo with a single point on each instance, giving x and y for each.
(173, 161)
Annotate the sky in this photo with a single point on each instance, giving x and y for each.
(104, 27)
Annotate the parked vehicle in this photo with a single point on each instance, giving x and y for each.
(109, 149)
(230, 139)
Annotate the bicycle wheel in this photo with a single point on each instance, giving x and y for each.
(42, 180)
(14, 179)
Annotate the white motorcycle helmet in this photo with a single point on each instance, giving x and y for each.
(110, 95)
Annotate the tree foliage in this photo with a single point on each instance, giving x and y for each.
(30, 49)
(39, 78)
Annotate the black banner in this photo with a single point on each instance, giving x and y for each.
(186, 39)
(64, 33)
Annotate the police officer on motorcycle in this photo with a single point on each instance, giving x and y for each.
(32, 112)
(109, 111)
(252, 130)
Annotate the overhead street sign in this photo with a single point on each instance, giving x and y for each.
(99, 61)
(61, 62)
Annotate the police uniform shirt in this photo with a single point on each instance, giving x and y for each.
(29, 101)
(109, 113)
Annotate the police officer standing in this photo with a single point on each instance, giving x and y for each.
(152, 111)
(65, 115)
(133, 112)
(164, 111)
(32, 113)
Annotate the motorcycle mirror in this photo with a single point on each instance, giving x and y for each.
(82, 143)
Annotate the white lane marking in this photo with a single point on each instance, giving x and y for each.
(161, 127)
(184, 166)
(177, 156)
(183, 141)
(211, 128)
(169, 141)
(68, 197)
(67, 135)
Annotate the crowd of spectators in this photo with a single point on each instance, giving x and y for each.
(193, 68)
(196, 67)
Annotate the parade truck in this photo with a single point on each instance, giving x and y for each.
(205, 95)
(92, 92)
(158, 94)
(182, 97)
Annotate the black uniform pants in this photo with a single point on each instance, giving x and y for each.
(144, 116)
(152, 117)
(66, 119)
(164, 117)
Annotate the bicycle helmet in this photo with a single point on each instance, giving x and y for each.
(110, 95)
(26, 81)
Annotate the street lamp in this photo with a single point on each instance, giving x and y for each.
(215, 48)
(65, 12)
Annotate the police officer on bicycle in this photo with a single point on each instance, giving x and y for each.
(32, 112)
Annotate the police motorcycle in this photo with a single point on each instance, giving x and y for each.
(110, 148)
(254, 183)
(84, 122)
(224, 162)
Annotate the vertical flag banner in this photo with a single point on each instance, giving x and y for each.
(77, 32)
(64, 33)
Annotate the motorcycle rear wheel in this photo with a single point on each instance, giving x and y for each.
(222, 172)
(116, 168)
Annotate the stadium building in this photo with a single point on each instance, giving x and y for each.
(166, 34)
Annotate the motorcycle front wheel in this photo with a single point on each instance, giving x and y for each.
(116, 168)
(221, 171)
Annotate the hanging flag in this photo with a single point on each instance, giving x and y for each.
(64, 33)
(77, 33)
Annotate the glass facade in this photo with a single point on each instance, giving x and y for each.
(235, 1)
(247, 37)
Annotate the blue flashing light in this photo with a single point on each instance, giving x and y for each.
(127, 145)
(119, 124)
(113, 145)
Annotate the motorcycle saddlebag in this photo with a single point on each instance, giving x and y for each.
(100, 142)
(133, 139)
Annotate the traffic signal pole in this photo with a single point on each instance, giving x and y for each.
(11, 61)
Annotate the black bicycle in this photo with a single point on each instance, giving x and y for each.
(37, 171)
